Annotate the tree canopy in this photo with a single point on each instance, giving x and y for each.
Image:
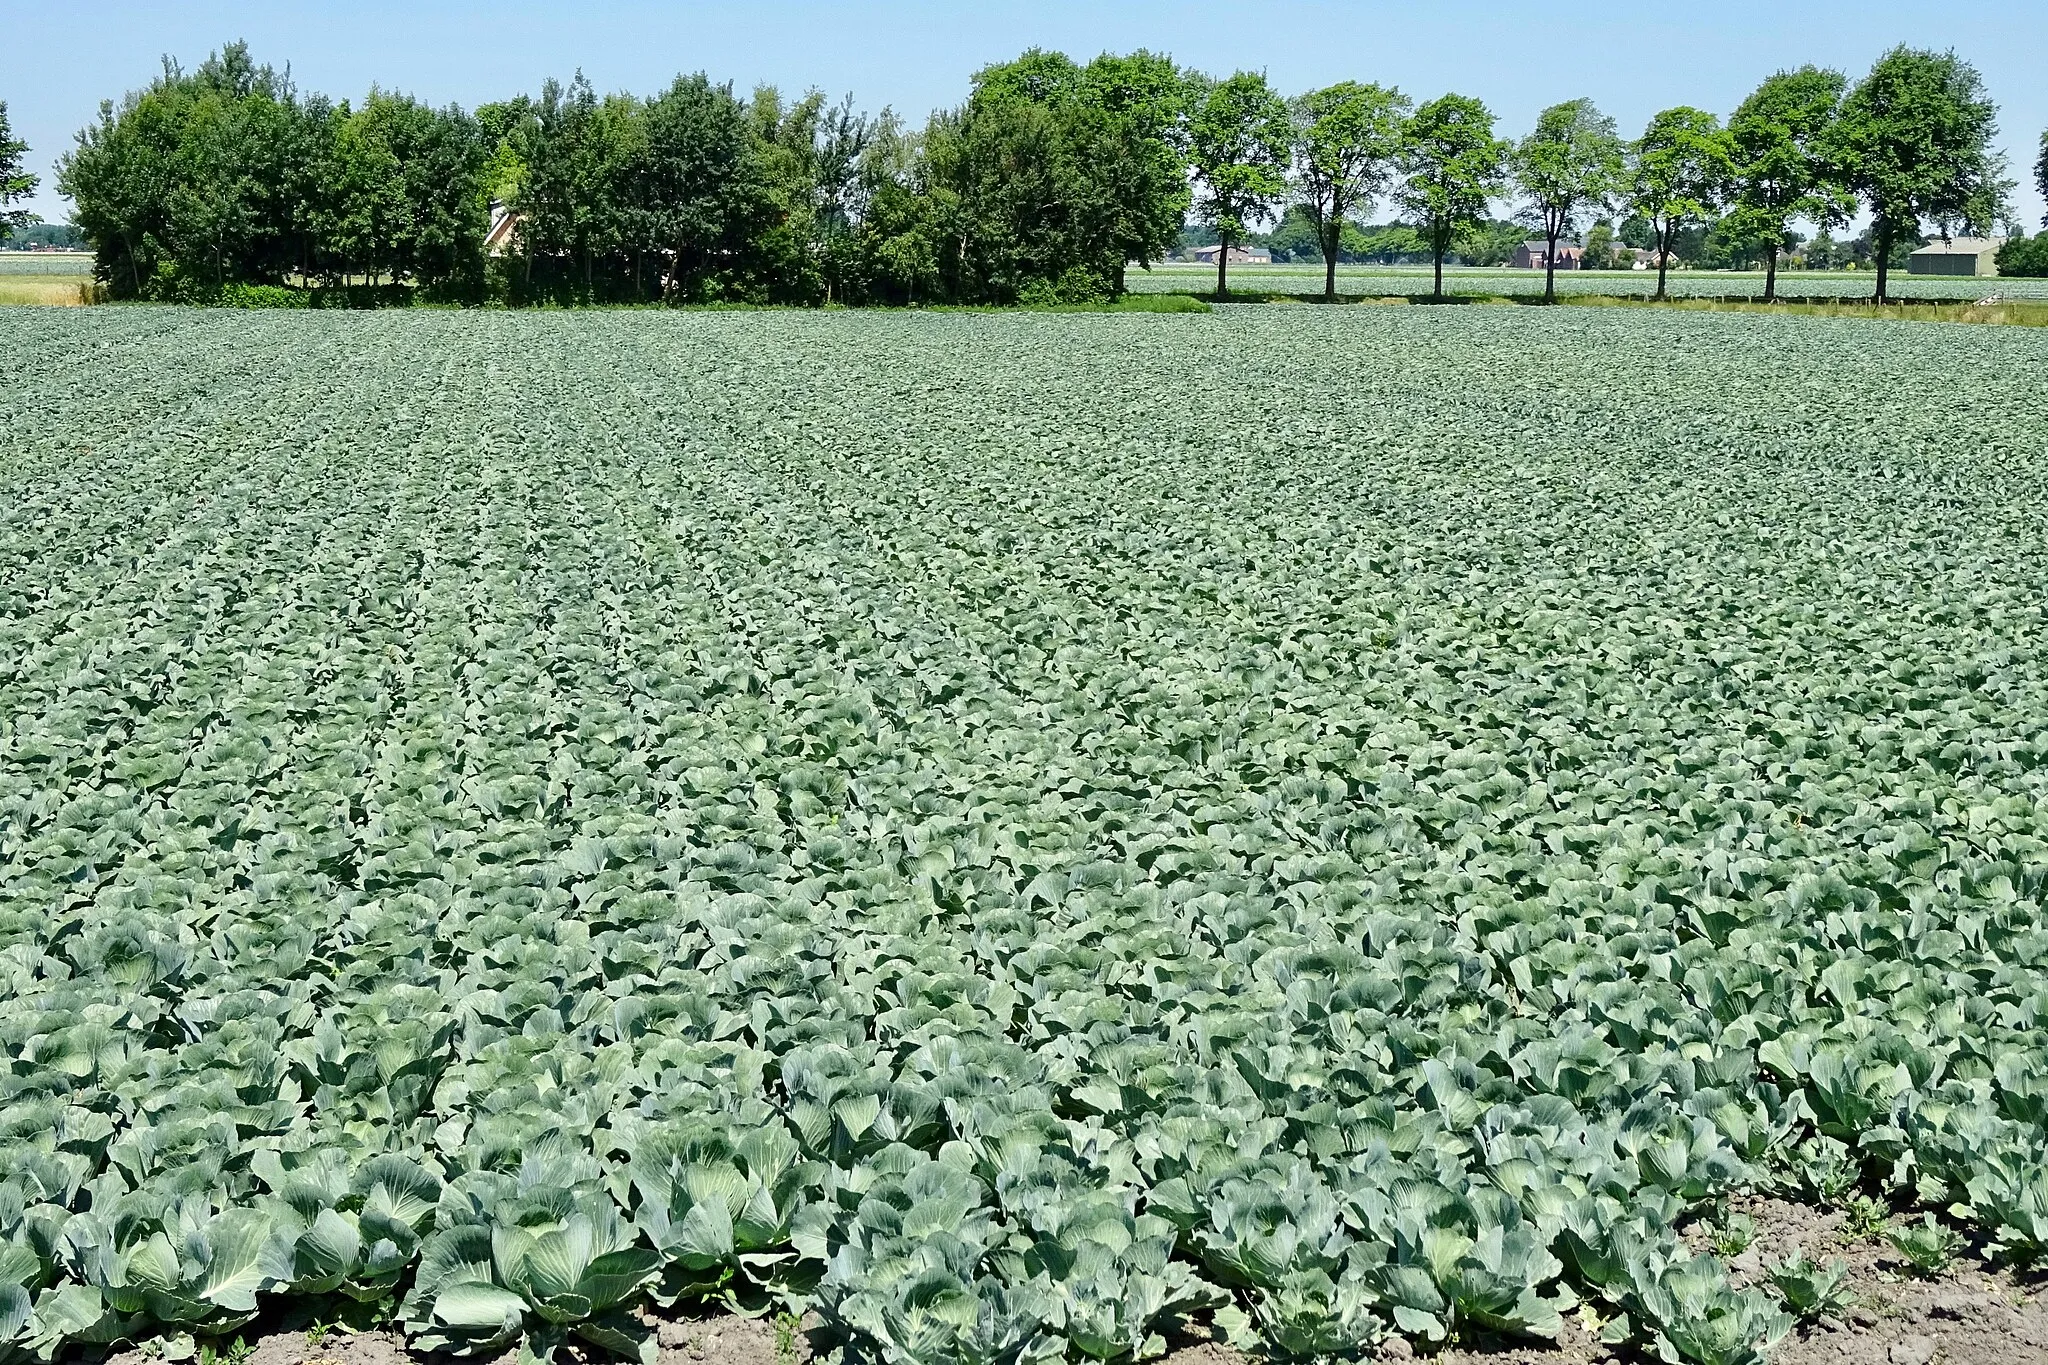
(1347, 144)
(16, 184)
(2041, 173)
(1780, 142)
(1454, 166)
(1240, 135)
(1056, 175)
(1681, 169)
(1048, 183)
(1569, 167)
(1914, 141)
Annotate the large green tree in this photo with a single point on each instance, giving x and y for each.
(774, 239)
(1681, 169)
(1914, 142)
(838, 143)
(691, 188)
(226, 175)
(402, 195)
(1137, 110)
(898, 220)
(1239, 136)
(1010, 176)
(1347, 143)
(1568, 168)
(16, 184)
(1454, 166)
(2041, 174)
(1780, 139)
(578, 201)
(1053, 176)
(192, 183)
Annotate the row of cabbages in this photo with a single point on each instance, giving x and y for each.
(1009, 1169)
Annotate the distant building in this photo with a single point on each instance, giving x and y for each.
(1239, 255)
(1535, 256)
(1957, 256)
(504, 222)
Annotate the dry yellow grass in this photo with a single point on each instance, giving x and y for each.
(61, 291)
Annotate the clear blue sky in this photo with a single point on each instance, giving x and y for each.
(58, 61)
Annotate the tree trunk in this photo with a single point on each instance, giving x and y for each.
(1884, 258)
(1550, 264)
(1121, 266)
(1438, 239)
(1222, 264)
(1331, 235)
(1771, 275)
(1664, 240)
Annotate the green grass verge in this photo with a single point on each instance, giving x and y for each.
(1273, 296)
(2019, 313)
(1129, 303)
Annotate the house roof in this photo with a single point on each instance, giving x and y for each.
(1961, 246)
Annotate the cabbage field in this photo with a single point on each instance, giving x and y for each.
(1370, 281)
(1008, 831)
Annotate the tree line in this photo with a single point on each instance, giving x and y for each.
(1047, 184)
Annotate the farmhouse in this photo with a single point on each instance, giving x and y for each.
(1533, 256)
(1239, 255)
(504, 222)
(1957, 256)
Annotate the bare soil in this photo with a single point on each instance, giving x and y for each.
(1970, 1314)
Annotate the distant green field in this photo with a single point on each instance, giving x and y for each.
(1379, 281)
(45, 263)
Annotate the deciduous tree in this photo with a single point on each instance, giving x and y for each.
(1681, 168)
(1779, 140)
(2041, 174)
(1347, 145)
(16, 184)
(1455, 166)
(1571, 165)
(1055, 175)
(1139, 108)
(1914, 142)
(1239, 135)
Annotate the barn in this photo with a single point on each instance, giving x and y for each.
(1957, 256)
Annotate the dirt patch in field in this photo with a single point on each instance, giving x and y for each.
(298, 1348)
(1969, 1314)
(731, 1340)
(1574, 1346)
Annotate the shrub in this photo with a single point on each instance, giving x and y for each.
(2025, 257)
(1076, 285)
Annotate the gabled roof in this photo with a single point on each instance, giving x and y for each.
(1961, 246)
(503, 223)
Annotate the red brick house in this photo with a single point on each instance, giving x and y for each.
(1532, 256)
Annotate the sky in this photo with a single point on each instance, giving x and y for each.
(57, 62)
